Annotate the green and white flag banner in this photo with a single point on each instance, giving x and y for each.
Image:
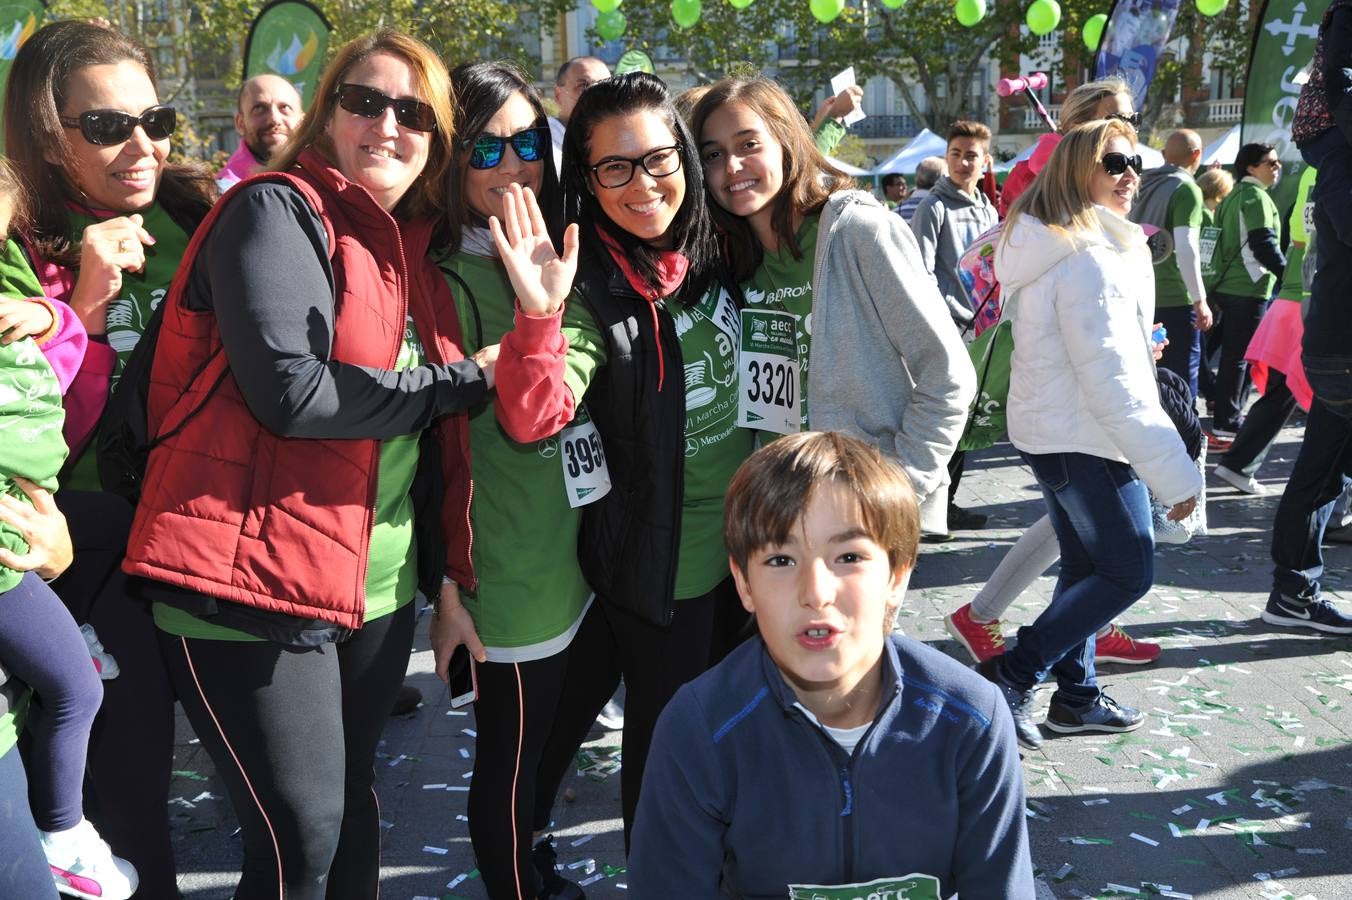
(288, 38)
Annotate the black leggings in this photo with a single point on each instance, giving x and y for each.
(131, 747)
(520, 707)
(654, 662)
(285, 728)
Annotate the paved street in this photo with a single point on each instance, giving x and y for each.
(1237, 787)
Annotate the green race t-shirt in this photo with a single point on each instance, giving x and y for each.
(1185, 211)
(392, 558)
(129, 312)
(1298, 226)
(11, 723)
(1248, 207)
(709, 332)
(784, 284)
(531, 592)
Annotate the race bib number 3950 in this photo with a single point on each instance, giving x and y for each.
(914, 886)
(768, 373)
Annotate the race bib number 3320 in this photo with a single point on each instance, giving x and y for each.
(767, 391)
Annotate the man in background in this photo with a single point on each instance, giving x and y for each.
(269, 108)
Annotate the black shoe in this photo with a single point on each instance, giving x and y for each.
(406, 701)
(1317, 614)
(556, 887)
(934, 537)
(1104, 715)
(960, 519)
(1020, 704)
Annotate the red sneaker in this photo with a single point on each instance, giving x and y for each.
(1118, 647)
(981, 639)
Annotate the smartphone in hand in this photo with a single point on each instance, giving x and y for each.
(464, 680)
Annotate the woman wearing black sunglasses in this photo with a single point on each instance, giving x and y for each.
(111, 218)
(663, 395)
(521, 620)
(311, 473)
(1085, 412)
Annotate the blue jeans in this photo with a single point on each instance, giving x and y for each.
(23, 868)
(1183, 355)
(1100, 511)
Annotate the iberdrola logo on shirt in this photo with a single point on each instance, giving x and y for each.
(914, 886)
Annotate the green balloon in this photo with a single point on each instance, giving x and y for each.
(605, 6)
(825, 11)
(685, 13)
(969, 12)
(740, 4)
(1092, 32)
(611, 24)
(894, 4)
(1211, 7)
(1043, 16)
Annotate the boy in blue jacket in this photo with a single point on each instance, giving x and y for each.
(828, 758)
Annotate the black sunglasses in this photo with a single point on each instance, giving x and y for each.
(113, 126)
(489, 148)
(1132, 119)
(370, 103)
(1116, 163)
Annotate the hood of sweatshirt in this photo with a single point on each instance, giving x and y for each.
(1031, 248)
(953, 197)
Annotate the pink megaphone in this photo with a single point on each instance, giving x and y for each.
(1034, 81)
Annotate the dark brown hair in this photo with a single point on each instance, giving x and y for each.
(38, 81)
(427, 196)
(808, 178)
(966, 128)
(770, 493)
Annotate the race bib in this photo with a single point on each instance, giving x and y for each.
(905, 887)
(1207, 240)
(585, 475)
(767, 393)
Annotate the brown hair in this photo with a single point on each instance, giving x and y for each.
(427, 196)
(1216, 184)
(15, 194)
(38, 81)
(1061, 197)
(966, 128)
(808, 178)
(770, 493)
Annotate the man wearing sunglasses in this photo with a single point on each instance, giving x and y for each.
(574, 77)
(270, 108)
(1170, 201)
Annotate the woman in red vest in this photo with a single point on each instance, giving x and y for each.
(307, 398)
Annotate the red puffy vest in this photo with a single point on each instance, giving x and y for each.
(236, 512)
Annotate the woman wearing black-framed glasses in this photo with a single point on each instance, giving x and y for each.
(111, 219)
(306, 397)
(521, 620)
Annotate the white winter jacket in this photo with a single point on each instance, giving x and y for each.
(1082, 377)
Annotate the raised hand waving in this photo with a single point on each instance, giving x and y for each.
(541, 277)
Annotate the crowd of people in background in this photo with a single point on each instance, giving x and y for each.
(647, 392)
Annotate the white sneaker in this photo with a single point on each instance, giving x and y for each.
(1246, 483)
(83, 865)
(611, 717)
(104, 663)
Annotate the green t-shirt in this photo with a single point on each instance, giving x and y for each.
(11, 723)
(392, 557)
(1185, 211)
(709, 332)
(784, 284)
(1298, 225)
(531, 592)
(1248, 207)
(128, 313)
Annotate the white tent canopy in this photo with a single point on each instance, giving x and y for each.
(1223, 149)
(924, 144)
(852, 171)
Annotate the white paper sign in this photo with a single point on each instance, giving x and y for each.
(840, 82)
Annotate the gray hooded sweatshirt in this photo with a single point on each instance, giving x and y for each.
(945, 224)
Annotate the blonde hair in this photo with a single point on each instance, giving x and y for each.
(1216, 185)
(1061, 197)
(13, 199)
(1081, 105)
(427, 196)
